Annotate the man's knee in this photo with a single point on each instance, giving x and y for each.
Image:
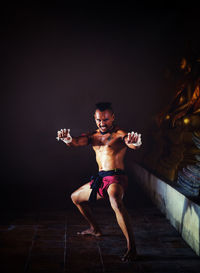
(74, 198)
(116, 204)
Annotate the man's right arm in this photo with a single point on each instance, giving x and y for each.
(83, 140)
(79, 141)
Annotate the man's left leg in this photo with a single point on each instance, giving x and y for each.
(116, 192)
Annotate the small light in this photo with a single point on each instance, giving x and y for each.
(183, 63)
(167, 117)
(186, 120)
(181, 99)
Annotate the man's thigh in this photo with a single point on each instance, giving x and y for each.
(115, 191)
(83, 193)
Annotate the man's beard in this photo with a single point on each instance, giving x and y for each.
(106, 127)
(103, 132)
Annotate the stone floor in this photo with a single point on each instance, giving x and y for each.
(46, 242)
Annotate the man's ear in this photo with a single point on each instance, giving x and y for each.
(113, 116)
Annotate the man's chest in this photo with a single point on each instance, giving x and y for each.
(107, 142)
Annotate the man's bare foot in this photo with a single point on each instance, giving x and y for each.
(90, 231)
(130, 256)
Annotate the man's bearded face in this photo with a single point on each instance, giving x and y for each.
(104, 120)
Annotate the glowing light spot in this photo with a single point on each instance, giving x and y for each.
(167, 117)
(183, 63)
(181, 99)
(186, 120)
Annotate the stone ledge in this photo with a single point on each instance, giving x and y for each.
(180, 210)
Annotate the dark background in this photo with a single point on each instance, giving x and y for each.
(56, 63)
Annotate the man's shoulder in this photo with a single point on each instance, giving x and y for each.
(89, 136)
(121, 131)
(94, 132)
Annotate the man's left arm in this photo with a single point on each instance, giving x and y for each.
(132, 140)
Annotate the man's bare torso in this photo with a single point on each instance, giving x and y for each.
(108, 141)
(110, 149)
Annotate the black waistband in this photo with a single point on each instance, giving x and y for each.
(111, 172)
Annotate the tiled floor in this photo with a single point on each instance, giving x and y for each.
(46, 242)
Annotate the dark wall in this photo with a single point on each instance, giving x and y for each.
(56, 64)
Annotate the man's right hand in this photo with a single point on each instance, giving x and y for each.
(64, 135)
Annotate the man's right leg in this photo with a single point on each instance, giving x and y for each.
(80, 199)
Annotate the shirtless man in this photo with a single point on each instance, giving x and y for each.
(110, 144)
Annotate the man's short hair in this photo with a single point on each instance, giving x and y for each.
(102, 106)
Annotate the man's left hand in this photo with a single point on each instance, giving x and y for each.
(134, 139)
